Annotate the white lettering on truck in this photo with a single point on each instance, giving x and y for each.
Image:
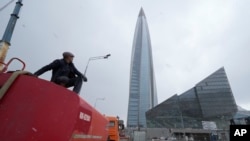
(84, 116)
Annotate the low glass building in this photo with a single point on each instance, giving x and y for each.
(210, 104)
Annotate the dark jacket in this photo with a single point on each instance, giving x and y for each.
(59, 68)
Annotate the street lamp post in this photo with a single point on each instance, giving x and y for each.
(97, 100)
(95, 58)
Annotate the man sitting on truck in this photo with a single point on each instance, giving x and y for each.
(64, 72)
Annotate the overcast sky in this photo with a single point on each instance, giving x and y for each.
(190, 40)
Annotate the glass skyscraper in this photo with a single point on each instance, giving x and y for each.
(142, 90)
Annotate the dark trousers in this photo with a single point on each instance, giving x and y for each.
(76, 82)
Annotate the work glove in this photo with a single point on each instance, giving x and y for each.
(84, 78)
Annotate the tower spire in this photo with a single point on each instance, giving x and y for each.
(141, 12)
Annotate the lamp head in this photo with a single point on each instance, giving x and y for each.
(105, 57)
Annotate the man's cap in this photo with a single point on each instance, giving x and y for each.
(67, 54)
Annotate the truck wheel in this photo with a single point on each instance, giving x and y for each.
(108, 138)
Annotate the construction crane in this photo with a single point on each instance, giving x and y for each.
(5, 42)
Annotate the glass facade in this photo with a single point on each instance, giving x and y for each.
(142, 90)
(242, 117)
(210, 100)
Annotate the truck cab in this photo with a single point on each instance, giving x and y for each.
(115, 127)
